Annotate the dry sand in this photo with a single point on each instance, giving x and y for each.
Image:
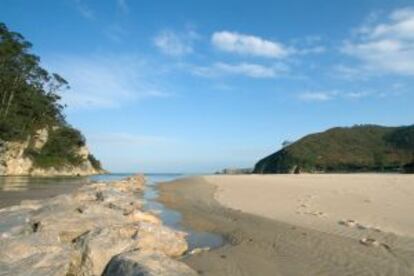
(331, 203)
(300, 224)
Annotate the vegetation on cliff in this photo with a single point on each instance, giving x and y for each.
(29, 101)
(362, 148)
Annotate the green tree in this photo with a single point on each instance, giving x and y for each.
(28, 93)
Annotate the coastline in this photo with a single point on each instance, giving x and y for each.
(98, 229)
(258, 245)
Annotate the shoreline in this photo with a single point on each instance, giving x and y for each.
(257, 245)
(98, 229)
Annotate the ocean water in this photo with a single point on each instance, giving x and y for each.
(14, 189)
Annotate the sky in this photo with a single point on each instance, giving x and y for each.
(198, 86)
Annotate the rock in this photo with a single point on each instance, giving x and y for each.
(161, 238)
(99, 246)
(136, 263)
(40, 138)
(18, 248)
(80, 233)
(54, 263)
(137, 215)
(14, 161)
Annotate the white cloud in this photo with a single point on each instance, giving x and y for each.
(315, 96)
(248, 45)
(386, 47)
(252, 70)
(106, 81)
(322, 96)
(175, 44)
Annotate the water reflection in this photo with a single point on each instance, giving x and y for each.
(172, 218)
(14, 189)
(14, 184)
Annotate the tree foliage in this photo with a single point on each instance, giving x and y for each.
(29, 100)
(60, 149)
(360, 148)
(28, 93)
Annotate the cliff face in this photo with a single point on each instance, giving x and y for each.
(14, 159)
(365, 148)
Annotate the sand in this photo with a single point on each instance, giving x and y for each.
(329, 203)
(300, 224)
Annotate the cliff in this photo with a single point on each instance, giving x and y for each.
(22, 157)
(35, 138)
(364, 148)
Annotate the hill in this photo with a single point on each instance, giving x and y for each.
(363, 148)
(34, 135)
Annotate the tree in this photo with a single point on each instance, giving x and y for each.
(28, 93)
(286, 143)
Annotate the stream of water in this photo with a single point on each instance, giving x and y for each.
(173, 218)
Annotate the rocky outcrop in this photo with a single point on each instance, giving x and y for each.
(12, 158)
(99, 229)
(14, 161)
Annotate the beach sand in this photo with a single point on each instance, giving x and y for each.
(353, 224)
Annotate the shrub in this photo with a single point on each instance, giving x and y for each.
(96, 164)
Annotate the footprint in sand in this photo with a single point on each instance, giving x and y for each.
(370, 242)
(348, 222)
(354, 223)
(317, 213)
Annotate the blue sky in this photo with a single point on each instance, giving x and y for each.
(196, 86)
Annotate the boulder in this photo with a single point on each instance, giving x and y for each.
(139, 263)
(80, 233)
(99, 246)
(161, 238)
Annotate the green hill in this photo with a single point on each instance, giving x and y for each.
(364, 148)
(34, 135)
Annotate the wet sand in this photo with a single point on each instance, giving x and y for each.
(266, 244)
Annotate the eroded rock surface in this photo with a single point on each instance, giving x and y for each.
(15, 161)
(98, 229)
(138, 263)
